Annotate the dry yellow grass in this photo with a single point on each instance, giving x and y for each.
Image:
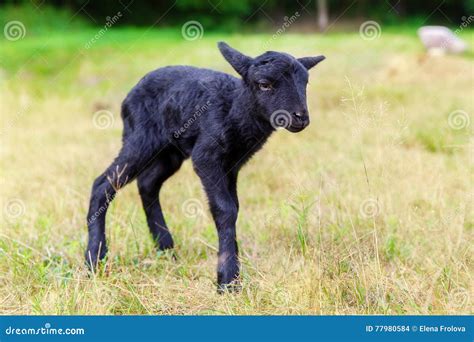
(368, 211)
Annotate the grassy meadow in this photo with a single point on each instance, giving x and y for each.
(367, 211)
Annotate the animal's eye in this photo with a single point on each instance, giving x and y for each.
(265, 86)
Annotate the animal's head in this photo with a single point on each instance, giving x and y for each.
(278, 82)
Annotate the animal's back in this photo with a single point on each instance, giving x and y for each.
(166, 98)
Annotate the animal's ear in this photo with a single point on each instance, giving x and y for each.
(309, 62)
(239, 61)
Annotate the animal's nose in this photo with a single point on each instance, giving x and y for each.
(301, 117)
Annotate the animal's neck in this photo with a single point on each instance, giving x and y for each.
(247, 118)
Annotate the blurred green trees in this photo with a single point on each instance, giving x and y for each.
(235, 15)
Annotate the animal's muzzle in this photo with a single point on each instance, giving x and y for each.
(299, 121)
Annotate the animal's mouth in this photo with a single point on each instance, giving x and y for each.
(298, 121)
(295, 128)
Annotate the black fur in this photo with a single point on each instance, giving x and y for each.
(219, 121)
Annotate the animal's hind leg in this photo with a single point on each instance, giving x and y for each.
(122, 171)
(149, 185)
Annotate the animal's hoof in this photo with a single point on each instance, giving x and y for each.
(93, 260)
(165, 242)
(233, 287)
(96, 268)
(167, 253)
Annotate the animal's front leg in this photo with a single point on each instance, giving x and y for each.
(224, 211)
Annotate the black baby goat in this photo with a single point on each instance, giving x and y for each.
(219, 121)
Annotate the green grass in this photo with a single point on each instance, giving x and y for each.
(367, 211)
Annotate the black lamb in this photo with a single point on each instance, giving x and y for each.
(219, 121)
